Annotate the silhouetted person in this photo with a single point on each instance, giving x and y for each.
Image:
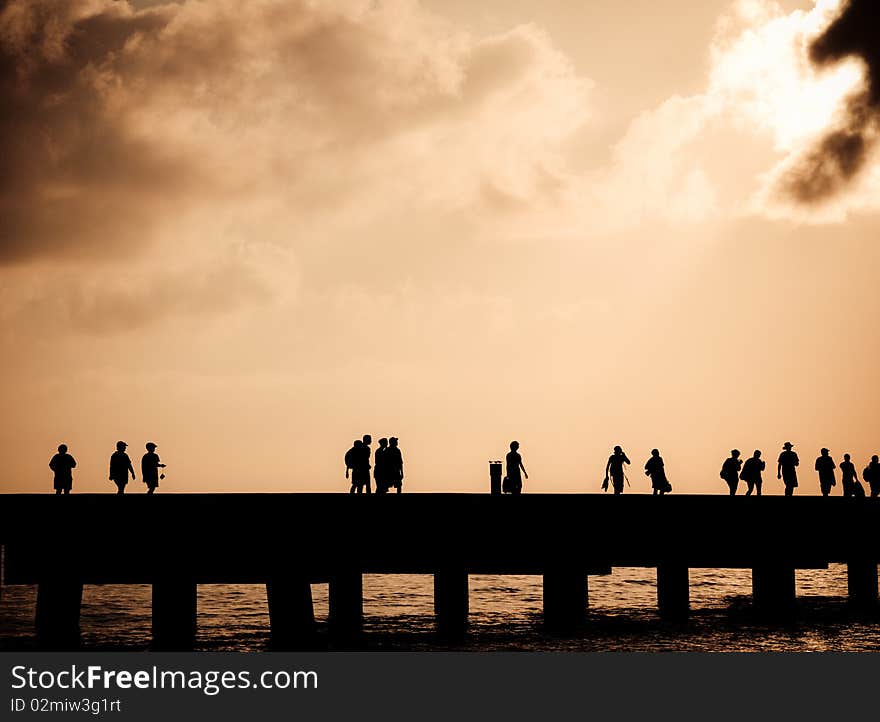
(394, 465)
(825, 466)
(357, 459)
(514, 466)
(63, 464)
(849, 478)
(150, 466)
(871, 474)
(614, 469)
(655, 469)
(751, 473)
(380, 469)
(351, 460)
(786, 468)
(730, 471)
(120, 467)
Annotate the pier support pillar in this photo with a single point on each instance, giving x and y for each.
(451, 603)
(861, 580)
(291, 613)
(673, 591)
(566, 598)
(773, 588)
(57, 614)
(346, 613)
(174, 614)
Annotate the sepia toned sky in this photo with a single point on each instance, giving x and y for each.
(252, 232)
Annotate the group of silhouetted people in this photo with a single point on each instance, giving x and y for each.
(733, 471)
(387, 466)
(62, 464)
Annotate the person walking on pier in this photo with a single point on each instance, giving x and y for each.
(614, 469)
(655, 469)
(514, 466)
(150, 466)
(871, 474)
(751, 473)
(357, 460)
(380, 467)
(849, 478)
(394, 465)
(120, 467)
(825, 466)
(62, 464)
(786, 468)
(730, 471)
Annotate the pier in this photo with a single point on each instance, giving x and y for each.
(290, 541)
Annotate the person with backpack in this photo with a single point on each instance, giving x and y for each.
(614, 469)
(730, 471)
(62, 464)
(871, 475)
(654, 468)
(751, 473)
(825, 466)
(786, 468)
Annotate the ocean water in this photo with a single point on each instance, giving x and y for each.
(505, 614)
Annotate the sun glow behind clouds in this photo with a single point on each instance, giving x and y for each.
(764, 72)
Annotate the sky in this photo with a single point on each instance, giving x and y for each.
(252, 232)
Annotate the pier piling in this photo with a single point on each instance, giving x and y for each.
(673, 591)
(291, 613)
(566, 598)
(861, 578)
(57, 615)
(346, 613)
(773, 588)
(175, 603)
(451, 602)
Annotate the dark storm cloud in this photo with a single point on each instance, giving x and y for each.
(73, 178)
(839, 157)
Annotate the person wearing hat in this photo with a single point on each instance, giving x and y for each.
(786, 468)
(150, 466)
(395, 464)
(120, 467)
(825, 466)
(63, 464)
(730, 471)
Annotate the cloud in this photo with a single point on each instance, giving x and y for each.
(842, 153)
(121, 120)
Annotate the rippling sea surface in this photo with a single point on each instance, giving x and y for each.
(505, 614)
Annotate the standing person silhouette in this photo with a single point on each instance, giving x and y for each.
(352, 458)
(871, 474)
(150, 466)
(614, 468)
(514, 465)
(849, 478)
(786, 468)
(394, 464)
(62, 464)
(357, 459)
(751, 473)
(655, 469)
(730, 471)
(120, 467)
(380, 467)
(825, 466)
